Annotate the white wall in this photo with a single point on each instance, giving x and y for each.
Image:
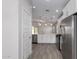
(12, 26)
(10, 29)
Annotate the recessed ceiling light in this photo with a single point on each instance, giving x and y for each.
(51, 24)
(39, 24)
(45, 24)
(56, 10)
(34, 7)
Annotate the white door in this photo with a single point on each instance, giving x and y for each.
(27, 39)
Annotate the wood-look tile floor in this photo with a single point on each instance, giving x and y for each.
(45, 51)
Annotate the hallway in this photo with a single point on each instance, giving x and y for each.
(45, 22)
(45, 51)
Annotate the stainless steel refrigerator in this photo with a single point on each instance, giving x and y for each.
(69, 37)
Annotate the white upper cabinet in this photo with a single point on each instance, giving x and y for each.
(69, 9)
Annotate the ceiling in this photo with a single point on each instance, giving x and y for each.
(47, 10)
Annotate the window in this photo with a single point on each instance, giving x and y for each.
(34, 30)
